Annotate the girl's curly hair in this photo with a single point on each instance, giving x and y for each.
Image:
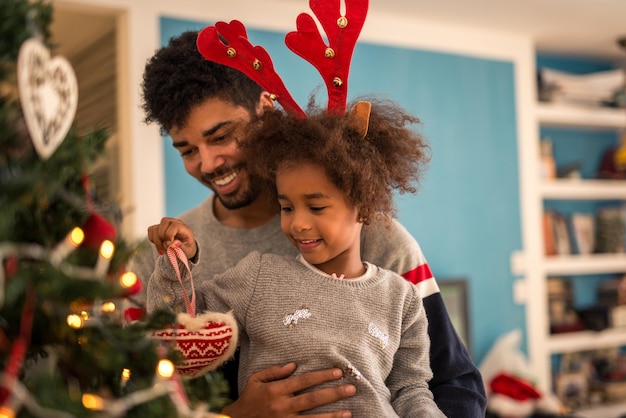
(392, 156)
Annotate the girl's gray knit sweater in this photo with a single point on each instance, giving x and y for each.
(373, 327)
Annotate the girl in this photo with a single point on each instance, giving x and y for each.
(326, 307)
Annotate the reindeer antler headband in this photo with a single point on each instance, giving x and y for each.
(228, 44)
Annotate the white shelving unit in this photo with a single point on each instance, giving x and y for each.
(541, 343)
(585, 264)
(583, 189)
(582, 117)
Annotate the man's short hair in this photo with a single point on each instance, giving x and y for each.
(177, 78)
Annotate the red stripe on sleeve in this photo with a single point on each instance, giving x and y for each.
(419, 274)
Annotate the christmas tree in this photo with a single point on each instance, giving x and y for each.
(67, 346)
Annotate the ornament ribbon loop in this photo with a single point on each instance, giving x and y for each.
(175, 253)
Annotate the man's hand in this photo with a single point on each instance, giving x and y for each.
(271, 393)
(173, 231)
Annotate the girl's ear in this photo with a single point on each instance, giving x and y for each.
(360, 117)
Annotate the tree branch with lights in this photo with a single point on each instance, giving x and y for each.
(67, 347)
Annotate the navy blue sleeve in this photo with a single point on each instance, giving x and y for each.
(457, 385)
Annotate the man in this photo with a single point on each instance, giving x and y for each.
(206, 107)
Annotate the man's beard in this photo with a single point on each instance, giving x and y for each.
(242, 198)
(247, 194)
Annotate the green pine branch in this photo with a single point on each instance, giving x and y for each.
(40, 202)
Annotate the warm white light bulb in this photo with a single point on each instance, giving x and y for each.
(76, 236)
(128, 279)
(6, 412)
(108, 307)
(165, 369)
(93, 402)
(107, 248)
(72, 240)
(75, 321)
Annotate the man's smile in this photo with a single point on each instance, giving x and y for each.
(226, 179)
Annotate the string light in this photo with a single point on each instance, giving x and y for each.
(75, 321)
(114, 408)
(128, 279)
(57, 257)
(108, 307)
(77, 236)
(93, 402)
(165, 369)
(107, 248)
(125, 377)
(6, 412)
(72, 240)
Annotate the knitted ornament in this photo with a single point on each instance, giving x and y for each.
(204, 341)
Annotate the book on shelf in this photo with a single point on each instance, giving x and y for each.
(585, 233)
(611, 229)
(556, 234)
(548, 235)
(562, 235)
(583, 228)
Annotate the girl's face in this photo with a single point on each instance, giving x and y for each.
(318, 221)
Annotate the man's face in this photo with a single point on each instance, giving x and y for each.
(209, 147)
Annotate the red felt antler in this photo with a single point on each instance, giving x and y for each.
(332, 61)
(228, 44)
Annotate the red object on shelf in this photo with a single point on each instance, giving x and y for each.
(513, 387)
(611, 166)
(561, 329)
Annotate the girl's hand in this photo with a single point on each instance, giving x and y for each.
(173, 231)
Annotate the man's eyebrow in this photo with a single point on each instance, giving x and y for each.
(208, 132)
(180, 144)
(217, 127)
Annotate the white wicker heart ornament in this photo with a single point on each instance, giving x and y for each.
(48, 94)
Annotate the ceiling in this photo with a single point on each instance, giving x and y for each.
(572, 27)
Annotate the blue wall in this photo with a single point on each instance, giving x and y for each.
(466, 215)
